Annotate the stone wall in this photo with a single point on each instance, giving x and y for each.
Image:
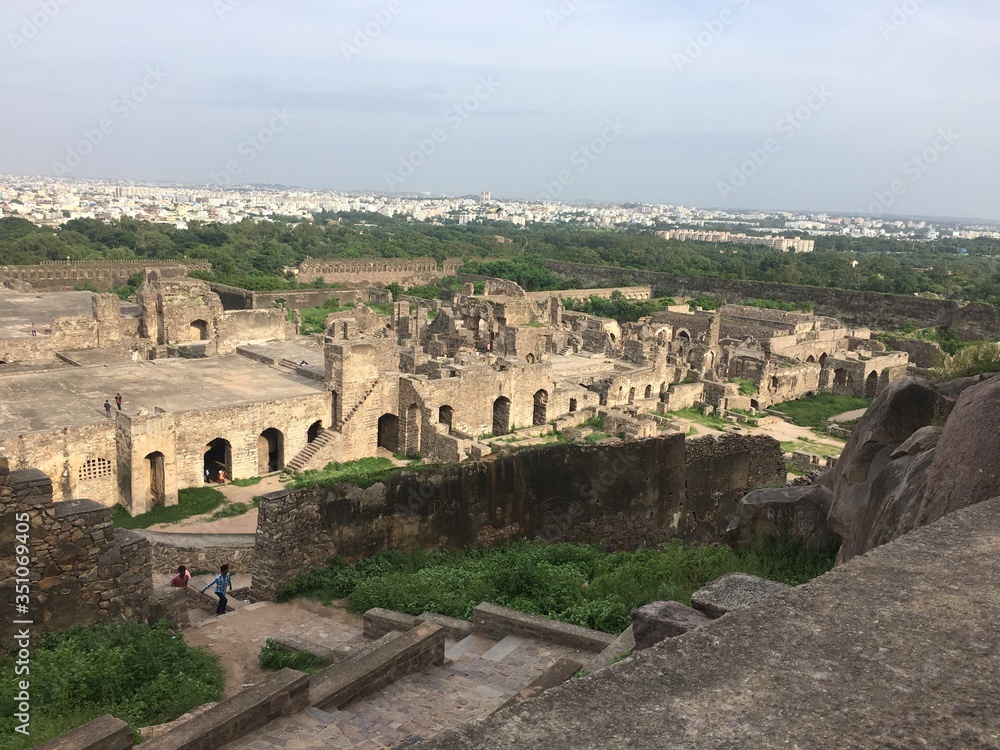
(198, 551)
(234, 298)
(60, 276)
(79, 567)
(378, 271)
(625, 496)
(884, 311)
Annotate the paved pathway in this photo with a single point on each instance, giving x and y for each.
(482, 676)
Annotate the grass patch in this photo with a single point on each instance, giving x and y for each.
(232, 510)
(972, 360)
(594, 421)
(807, 445)
(747, 387)
(574, 583)
(364, 473)
(249, 482)
(143, 675)
(193, 501)
(705, 420)
(272, 656)
(596, 437)
(816, 411)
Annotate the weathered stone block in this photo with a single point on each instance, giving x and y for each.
(734, 591)
(656, 621)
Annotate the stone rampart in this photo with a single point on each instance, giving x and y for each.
(407, 272)
(79, 568)
(625, 496)
(198, 551)
(884, 311)
(62, 276)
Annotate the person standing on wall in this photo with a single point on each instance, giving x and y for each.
(118, 400)
(222, 582)
(107, 408)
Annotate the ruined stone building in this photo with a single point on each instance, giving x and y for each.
(207, 388)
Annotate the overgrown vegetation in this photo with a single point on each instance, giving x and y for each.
(364, 472)
(143, 675)
(574, 583)
(747, 387)
(619, 308)
(815, 447)
(190, 502)
(232, 510)
(815, 411)
(595, 421)
(273, 656)
(694, 414)
(973, 360)
(314, 318)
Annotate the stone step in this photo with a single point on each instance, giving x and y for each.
(504, 648)
(471, 647)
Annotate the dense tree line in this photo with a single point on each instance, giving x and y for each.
(257, 255)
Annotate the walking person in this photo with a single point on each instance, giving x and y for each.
(34, 331)
(118, 400)
(107, 408)
(222, 582)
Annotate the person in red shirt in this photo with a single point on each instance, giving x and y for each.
(180, 580)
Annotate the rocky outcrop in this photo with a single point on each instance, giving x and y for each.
(734, 591)
(919, 453)
(797, 512)
(657, 621)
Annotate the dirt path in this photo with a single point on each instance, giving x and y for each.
(245, 524)
(237, 638)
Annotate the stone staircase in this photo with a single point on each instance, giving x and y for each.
(479, 676)
(304, 456)
(361, 401)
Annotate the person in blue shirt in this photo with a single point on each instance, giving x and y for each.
(222, 582)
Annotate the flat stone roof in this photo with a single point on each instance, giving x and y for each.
(899, 648)
(18, 311)
(74, 396)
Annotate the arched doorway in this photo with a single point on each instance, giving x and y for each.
(199, 330)
(157, 480)
(631, 395)
(822, 358)
(445, 415)
(531, 359)
(810, 359)
(572, 405)
(388, 432)
(334, 416)
(540, 412)
(501, 416)
(871, 385)
(314, 430)
(773, 385)
(270, 451)
(218, 457)
(649, 391)
(840, 376)
(684, 336)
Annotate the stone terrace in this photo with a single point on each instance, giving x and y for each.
(19, 311)
(73, 397)
(899, 648)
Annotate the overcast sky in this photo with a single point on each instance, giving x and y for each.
(816, 104)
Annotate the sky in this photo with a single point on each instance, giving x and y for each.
(855, 106)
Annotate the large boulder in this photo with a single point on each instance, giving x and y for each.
(657, 621)
(798, 513)
(734, 591)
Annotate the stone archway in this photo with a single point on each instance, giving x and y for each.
(871, 385)
(199, 330)
(157, 479)
(445, 416)
(218, 457)
(539, 414)
(314, 431)
(270, 451)
(388, 432)
(501, 416)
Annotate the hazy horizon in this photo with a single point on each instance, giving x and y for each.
(884, 108)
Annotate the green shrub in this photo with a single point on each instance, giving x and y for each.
(140, 674)
(232, 510)
(273, 656)
(190, 502)
(973, 360)
(363, 472)
(249, 482)
(573, 583)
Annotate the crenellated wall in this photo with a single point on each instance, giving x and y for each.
(62, 276)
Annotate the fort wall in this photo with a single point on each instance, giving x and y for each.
(626, 496)
(884, 311)
(62, 276)
(378, 270)
(81, 568)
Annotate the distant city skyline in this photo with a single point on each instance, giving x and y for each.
(880, 108)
